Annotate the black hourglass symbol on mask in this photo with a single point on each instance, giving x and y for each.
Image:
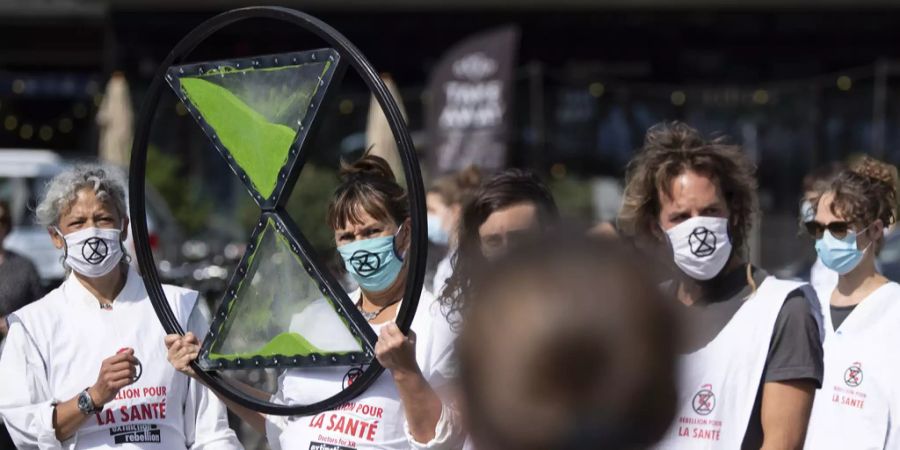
(94, 250)
(365, 263)
(702, 242)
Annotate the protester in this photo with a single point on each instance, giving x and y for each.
(568, 346)
(445, 200)
(856, 407)
(814, 184)
(753, 353)
(512, 207)
(84, 366)
(20, 283)
(369, 211)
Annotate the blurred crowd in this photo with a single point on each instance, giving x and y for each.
(651, 331)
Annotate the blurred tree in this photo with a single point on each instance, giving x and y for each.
(182, 194)
(573, 196)
(307, 205)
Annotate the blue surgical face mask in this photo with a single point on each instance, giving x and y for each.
(840, 255)
(436, 231)
(373, 263)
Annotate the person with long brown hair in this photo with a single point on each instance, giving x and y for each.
(369, 212)
(511, 207)
(857, 405)
(752, 356)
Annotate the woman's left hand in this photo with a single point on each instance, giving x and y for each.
(181, 351)
(395, 351)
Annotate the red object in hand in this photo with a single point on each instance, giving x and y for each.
(123, 349)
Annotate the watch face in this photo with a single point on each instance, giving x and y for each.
(85, 404)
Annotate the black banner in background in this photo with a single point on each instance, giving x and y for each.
(471, 98)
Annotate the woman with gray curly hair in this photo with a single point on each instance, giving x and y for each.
(85, 366)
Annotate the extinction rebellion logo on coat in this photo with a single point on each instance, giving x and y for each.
(853, 376)
(850, 394)
(704, 401)
(351, 376)
(700, 428)
(138, 433)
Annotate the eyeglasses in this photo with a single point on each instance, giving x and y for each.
(837, 229)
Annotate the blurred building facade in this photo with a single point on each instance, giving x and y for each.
(797, 82)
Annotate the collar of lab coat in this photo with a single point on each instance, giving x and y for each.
(77, 293)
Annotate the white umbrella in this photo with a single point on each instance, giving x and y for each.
(115, 119)
(378, 133)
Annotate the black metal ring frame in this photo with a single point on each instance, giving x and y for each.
(416, 267)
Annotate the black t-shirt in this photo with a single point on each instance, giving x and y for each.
(839, 314)
(795, 350)
(19, 283)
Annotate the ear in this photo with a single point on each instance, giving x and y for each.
(58, 240)
(876, 230)
(405, 234)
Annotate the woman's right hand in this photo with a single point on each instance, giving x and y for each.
(183, 350)
(116, 372)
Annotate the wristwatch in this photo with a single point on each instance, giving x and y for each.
(86, 403)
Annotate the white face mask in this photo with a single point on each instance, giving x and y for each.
(93, 252)
(701, 246)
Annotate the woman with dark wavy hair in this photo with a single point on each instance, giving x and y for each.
(753, 355)
(857, 403)
(511, 207)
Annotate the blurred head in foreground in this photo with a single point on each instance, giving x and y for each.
(568, 346)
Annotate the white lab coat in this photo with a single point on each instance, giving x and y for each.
(375, 419)
(55, 349)
(719, 382)
(858, 406)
